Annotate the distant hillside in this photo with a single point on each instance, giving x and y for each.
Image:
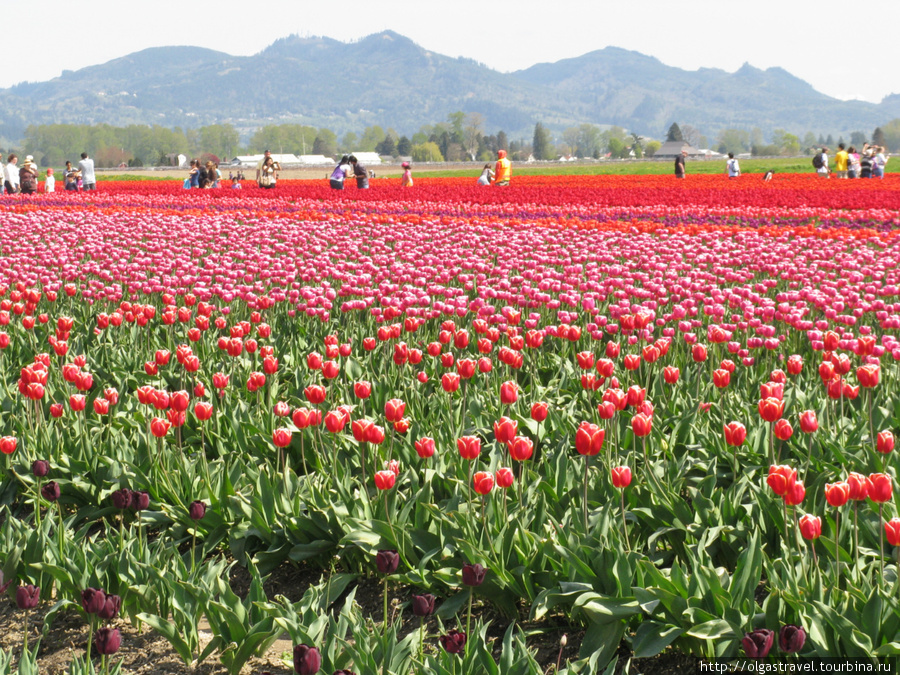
(387, 79)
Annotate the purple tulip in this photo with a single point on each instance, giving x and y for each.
(197, 510)
(50, 491)
(791, 638)
(423, 605)
(40, 468)
(454, 642)
(757, 643)
(93, 600)
(140, 500)
(473, 575)
(107, 641)
(111, 607)
(121, 499)
(28, 597)
(307, 660)
(387, 561)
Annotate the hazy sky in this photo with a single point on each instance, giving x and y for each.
(835, 46)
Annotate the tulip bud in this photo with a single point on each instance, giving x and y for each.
(197, 510)
(473, 575)
(387, 561)
(423, 605)
(307, 660)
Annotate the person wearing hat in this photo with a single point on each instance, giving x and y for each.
(11, 174)
(503, 169)
(28, 177)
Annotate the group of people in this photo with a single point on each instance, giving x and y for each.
(351, 167)
(24, 179)
(499, 174)
(851, 164)
(203, 176)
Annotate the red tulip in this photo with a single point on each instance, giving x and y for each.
(8, 444)
(375, 435)
(621, 476)
(783, 430)
(281, 437)
(810, 527)
(589, 439)
(859, 486)
(721, 378)
(585, 360)
(698, 353)
(394, 409)
(521, 448)
(450, 382)
(885, 442)
(671, 374)
(505, 429)
(837, 494)
(159, 427)
(539, 411)
(504, 477)
(203, 411)
(509, 393)
(781, 478)
(642, 424)
(771, 409)
(795, 494)
(425, 447)
(469, 447)
(384, 480)
(892, 531)
(808, 421)
(795, 364)
(362, 389)
(335, 421)
(881, 488)
(483, 482)
(735, 433)
(315, 394)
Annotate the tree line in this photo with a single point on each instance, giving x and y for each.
(458, 139)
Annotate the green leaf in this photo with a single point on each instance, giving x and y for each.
(652, 638)
(713, 630)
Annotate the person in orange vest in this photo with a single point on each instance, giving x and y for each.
(502, 170)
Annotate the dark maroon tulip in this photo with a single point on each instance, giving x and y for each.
(40, 468)
(111, 607)
(307, 660)
(423, 605)
(107, 641)
(93, 600)
(454, 641)
(473, 575)
(791, 638)
(387, 561)
(343, 672)
(50, 491)
(197, 510)
(28, 597)
(140, 500)
(121, 499)
(757, 643)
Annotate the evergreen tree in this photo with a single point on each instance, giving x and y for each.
(404, 147)
(541, 146)
(878, 136)
(829, 141)
(674, 133)
(502, 141)
(387, 146)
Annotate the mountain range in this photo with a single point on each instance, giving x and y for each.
(389, 80)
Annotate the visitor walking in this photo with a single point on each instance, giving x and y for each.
(734, 169)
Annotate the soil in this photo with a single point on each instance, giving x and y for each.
(146, 653)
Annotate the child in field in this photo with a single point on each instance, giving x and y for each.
(407, 179)
(50, 182)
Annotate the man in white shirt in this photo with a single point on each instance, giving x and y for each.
(11, 174)
(823, 169)
(87, 172)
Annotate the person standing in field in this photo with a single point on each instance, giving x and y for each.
(341, 172)
(503, 169)
(71, 175)
(878, 163)
(679, 164)
(406, 180)
(28, 176)
(841, 161)
(820, 162)
(734, 169)
(11, 174)
(854, 166)
(360, 173)
(50, 182)
(86, 166)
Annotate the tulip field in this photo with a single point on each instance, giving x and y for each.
(653, 415)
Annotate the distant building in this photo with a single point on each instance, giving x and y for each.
(315, 160)
(670, 149)
(367, 158)
(253, 160)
